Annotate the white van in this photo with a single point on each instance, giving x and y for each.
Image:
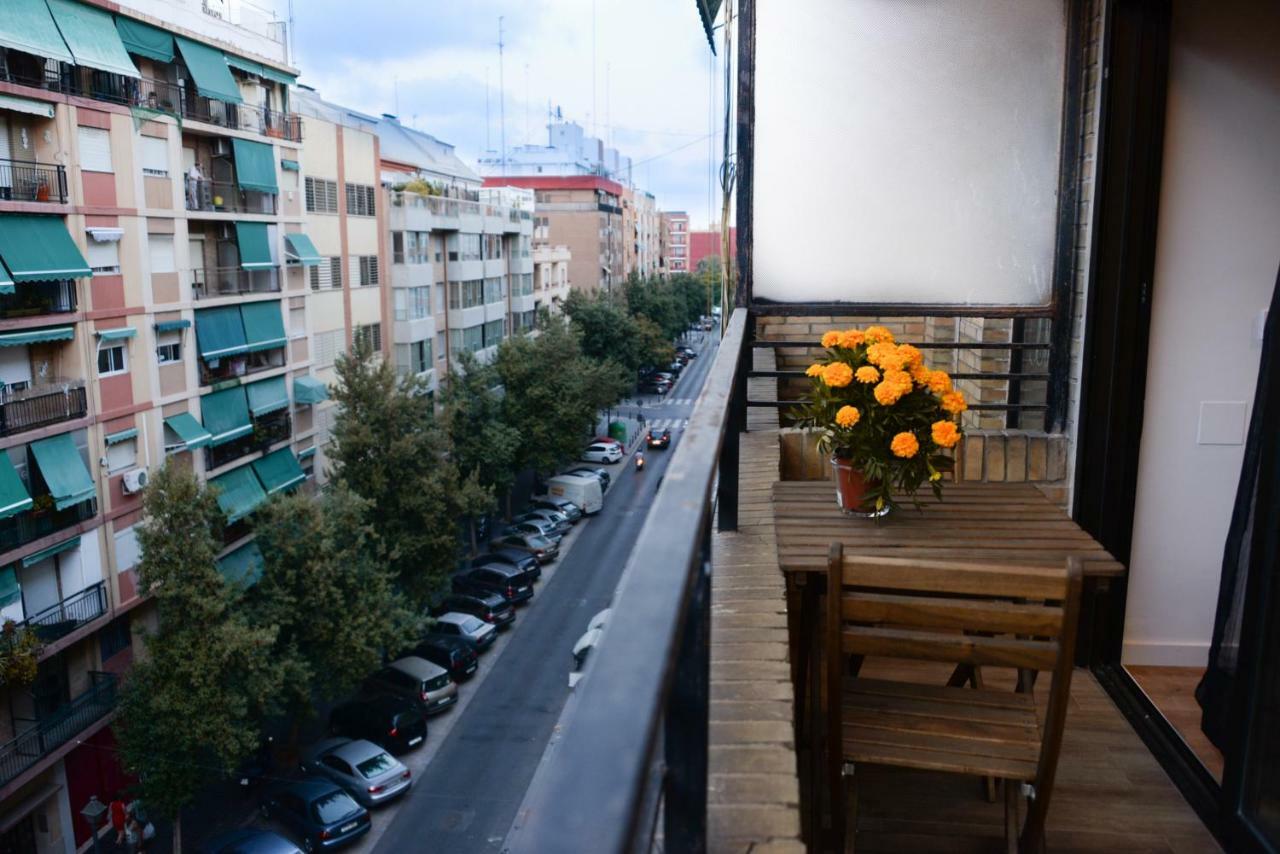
(583, 491)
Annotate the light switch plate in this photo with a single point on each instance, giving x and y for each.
(1222, 422)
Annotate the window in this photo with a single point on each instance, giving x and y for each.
(370, 334)
(169, 348)
(412, 303)
(414, 358)
(492, 247)
(154, 154)
(298, 321)
(128, 552)
(468, 294)
(493, 290)
(439, 296)
(440, 345)
(95, 150)
(360, 200)
(322, 196)
(103, 257)
(452, 244)
(424, 249)
(111, 360)
(469, 246)
(397, 246)
(494, 332)
(122, 455)
(328, 346)
(160, 251)
(368, 270)
(469, 340)
(116, 636)
(326, 275)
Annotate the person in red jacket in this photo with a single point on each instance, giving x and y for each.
(117, 810)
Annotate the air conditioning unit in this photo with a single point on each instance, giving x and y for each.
(135, 480)
(221, 147)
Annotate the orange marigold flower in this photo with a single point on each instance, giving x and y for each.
(837, 375)
(919, 373)
(939, 382)
(945, 434)
(830, 339)
(953, 402)
(911, 354)
(886, 356)
(814, 370)
(905, 445)
(851, 338)
(847, 416)
(877, 334)
(888, 392)
(867, 374)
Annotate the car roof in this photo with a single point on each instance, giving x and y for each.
(358, 750)
(381, 703)
(309, 788)
(418, 668)
(262, 842)
(456, 618)
(448, 642)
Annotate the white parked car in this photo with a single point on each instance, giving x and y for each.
(581, 650)
(601, 453)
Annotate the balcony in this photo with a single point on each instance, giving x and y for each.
(227, 197)
(213, 282)
(26, 181)
(29, 526)
(36, 406)
(65, 723)
(267, 431)
(79, 609)
(261, 120)
(33, 299)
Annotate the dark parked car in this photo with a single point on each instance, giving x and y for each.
(467, 628)
(453, 654)
(248, 840)
(688, 352)
(658, 439)
(653, 386)
(599, 474)
(543, 550)
(510, 583)
(418, 680)
(490, 607)
(393, 722)
(320, 813)
(512, 557)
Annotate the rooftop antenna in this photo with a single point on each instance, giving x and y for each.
(593, 67)
(608, 91)
(526, 104)
(488, 146)
(502, 99)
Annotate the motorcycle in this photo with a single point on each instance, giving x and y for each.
(639, 462)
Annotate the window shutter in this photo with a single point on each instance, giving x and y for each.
(155, 156)
(95, 150)
(331, 196)
(311, 195)
(127, 551)
(103, 257)
(160, 251)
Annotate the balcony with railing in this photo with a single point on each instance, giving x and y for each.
(211, 196)
(245, 117)
(42, 404)
(213, 282)
(27, 181)
(43, 520)
(64, 617)
(40, 738)
(33, 299)
(267, 430)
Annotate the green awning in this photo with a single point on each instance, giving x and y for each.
(145, 40)
(27, 25)
(307, 453)
(44, 554)
(92, 37)
(225, 415)
(287, 165)
(117, 334)
(64, 470)
(14, 497)
(239, 492)
(263, 325)
(255, 166)
(173, 325)
(25, 105)
(281, 77)
(246, 65)
(267, 396)
(189, 430)
(6, 282)
(298, 247)
(39, 249)
(309, 391)
(255, 248)
(708, 10)
(219, 332)
(279, 470)
(242, 566)
(37, 336)
(209, 70)
(10, 591)
(121, 436)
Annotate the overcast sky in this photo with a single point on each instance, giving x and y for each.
(651, 84)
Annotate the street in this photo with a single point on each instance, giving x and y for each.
(466, 797)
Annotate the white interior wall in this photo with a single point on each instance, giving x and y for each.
(1216, 259)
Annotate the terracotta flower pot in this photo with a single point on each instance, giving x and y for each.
(853, 490)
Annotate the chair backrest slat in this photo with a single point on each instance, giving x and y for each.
(992, 580)
(1033, 619)
(950, 646)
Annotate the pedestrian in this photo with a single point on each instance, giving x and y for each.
(133, 835)
(118, 812)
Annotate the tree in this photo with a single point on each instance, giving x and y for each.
(388, 449)
(19, 655)
(193, 704)
(609, 331)
(554, 393)
(321, 556)
(482, 444)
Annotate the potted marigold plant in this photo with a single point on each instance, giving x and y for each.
(885, 418)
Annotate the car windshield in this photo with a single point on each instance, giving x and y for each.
(438, 683)
(472, 625)
(375, 765)
(538, 542)
(333, 807)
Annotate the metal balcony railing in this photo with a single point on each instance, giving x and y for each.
(33, 299)
(33, 524)
(268, 430)
(211, 282)
(50, 402)
(27, 181)
(59, 620)
(227, 197)
(246, 117)
(55, 730)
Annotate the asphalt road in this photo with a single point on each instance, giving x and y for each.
(466, 797)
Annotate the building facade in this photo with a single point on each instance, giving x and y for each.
(675, 227)
(706, 244)
(551, 282)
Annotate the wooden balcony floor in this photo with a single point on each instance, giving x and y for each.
(1111, 794)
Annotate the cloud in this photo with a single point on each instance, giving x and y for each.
(651, 83)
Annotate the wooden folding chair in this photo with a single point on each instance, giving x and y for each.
(969, 614)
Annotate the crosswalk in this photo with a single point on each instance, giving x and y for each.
(679, 401)
(666, 423)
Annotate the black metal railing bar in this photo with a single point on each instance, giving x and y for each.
(28, 181)
(64, 724)
(62, 618)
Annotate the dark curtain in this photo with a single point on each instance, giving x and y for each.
(1251, 523)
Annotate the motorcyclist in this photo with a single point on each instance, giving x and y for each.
(639, 461)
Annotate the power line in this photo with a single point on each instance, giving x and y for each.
(688, 144)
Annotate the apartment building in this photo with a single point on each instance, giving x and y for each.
(153, 305)
(704, 244)
(675, 225)
(648, 223)
(550, 277)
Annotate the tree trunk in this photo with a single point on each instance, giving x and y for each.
(177, 833)
(471, 525)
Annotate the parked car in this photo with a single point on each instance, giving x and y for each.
(533, 526)
(319, 812)
(465, 627)
(653, 386)
(602, 453)
(675, 367)
(581, 649)
(490, 607)
(564, 505)
(708, 323)
(666, 377)
(512, 584)
(599, 474)
(453, 654)
(418, 680)
(367, 772)
(514, 557)
(607, 440)
(658, 439)
(393, 722)
(559, 524)
(248, 840)
(540, 547)
(689, 352)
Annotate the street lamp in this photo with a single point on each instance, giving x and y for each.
(93, 812)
